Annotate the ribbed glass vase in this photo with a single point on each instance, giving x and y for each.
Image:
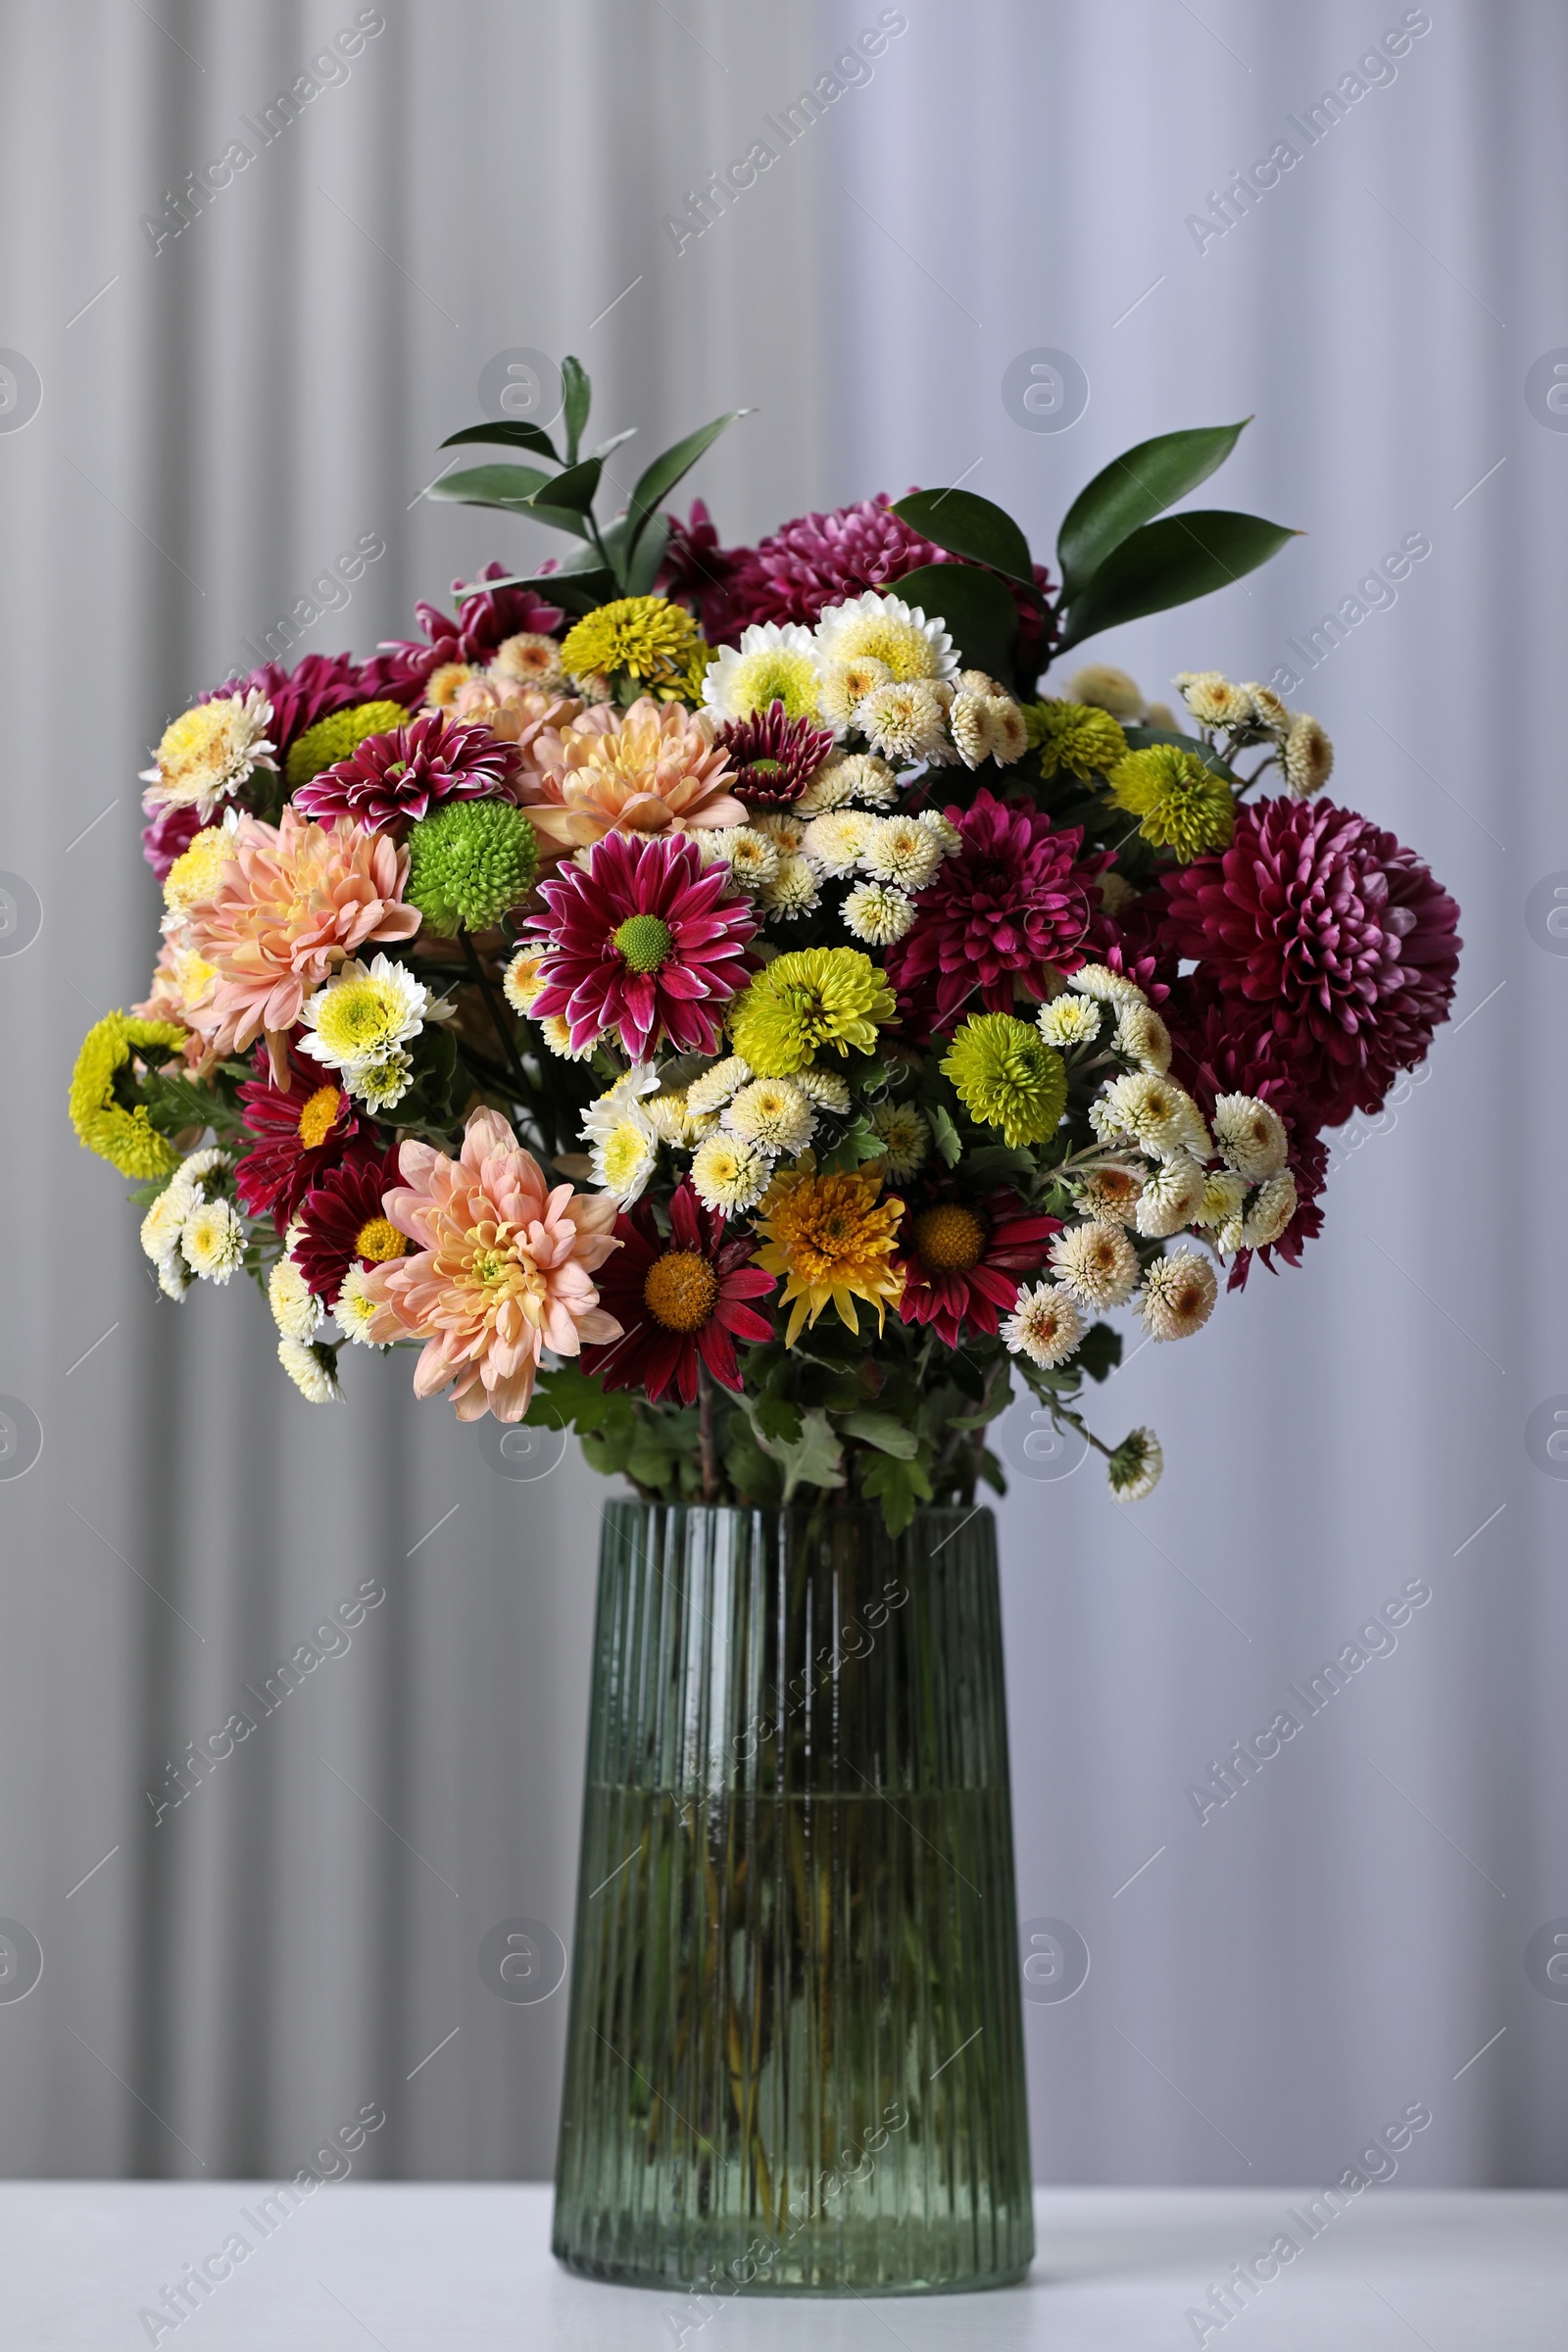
(795, 2057)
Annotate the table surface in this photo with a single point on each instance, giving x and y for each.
(469, 2267)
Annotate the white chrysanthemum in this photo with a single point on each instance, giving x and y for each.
(1069, 1020)
(669, 1116)
(795, 890)
(212, 1240)
(1010, 730)
(209, 751)
(555, 1030)
(867, 780)
(716, 1086)
(904, 1135)
(361, 1015)
(1178, 1296)
(824, 1089)
(1223, 1195)
(1159, 1115)
(1135, 1469)
(773, 1114)
(876, 913)
(1044, 1325)
(1251, 1137)
(1172, 1194)
(295, 1311)
(160, 1227)
(1096, 1263)
(1212, 700)
(1140, 1033)
(775, 661)
(987, 725)
(904, 723)
(729, 1174)
(1098, 980)
(1112, 1192)
(312, 1369)
(836, 841)
(381, 1084)
(751, 857)
(901, 849)
(175, 1276)
(941, 831)
(623, 1138)
(887, 629)
(1271, 1210)
(783, 828)
(829, 788)
(845, 685)
(1308, 757)
(354, 1313)
(1265, 708)
(196, 1166)
(1106, 688)
(520, 982)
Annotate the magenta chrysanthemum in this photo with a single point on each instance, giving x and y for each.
(1007, 904)
(314, 689)
(400, 667)
(1317, 927)
(773, 759)
(643, 940)
(404, 776)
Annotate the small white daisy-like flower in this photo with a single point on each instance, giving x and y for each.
(1308, 757)
(1069, 1020)
(773, 1114)
(824, 1089)
(783, 828)
(1271, 1210)
(904, 1135)
(1223, 1194)
(1112, 1192)
(775, 661)
(1212, 700)
(353, 1312)
(902, 722)
(196, 1166)
(1096, 1263)
(669, 1116)
(312, 1369)
(969, 724)
(729, 1174)
(363, 1013)
(1098, 980)
(829, 788)
(901, 849)
(212, 1240)
(718, 1085)
(889, 630)
(835, 842)
(623, 1138)
(520, 982)
(1178, 1296)
(1106, 688)
(795, 890)
(845, 685)
(381, 1084)
(1135, 1467)
(175, 1276)
(1044, 1325)
(1265, 708)
(1159, 1115)
(941, 830)
(1140, 1033)
(160, 1227)
(751, 857)
(871, 782)
(877, 913)
(527, 659)
(1010, 730)
(208, 752)
(1172, 1194)
(294, 1310)
(1251, 1137)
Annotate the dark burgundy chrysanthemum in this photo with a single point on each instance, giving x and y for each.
(1010, 902)
(404, 776)
(312, 689)
(772, 758)
(643, 940)
(302, 1130)
(697, 572)
(400, 667)
(675, 1299)
(343, 1223)
(961, 1259)
(1319, 926)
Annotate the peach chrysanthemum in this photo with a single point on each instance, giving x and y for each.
(291, 906)
(651, 768)
(501, 1269)
(515, 710)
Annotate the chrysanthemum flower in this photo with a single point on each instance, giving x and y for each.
(296, 1311)
(1178, 1296)
(643, 637)
(1108, 688)
(833, 1241)
(362, 1013)
(1159, 1115)
(527, 658)
(1264, 708)
(1105, 986)
(1069, 1020)
(772, 663)
(904, 723)
(884, 628)
(302, 1129)
(127, 1139)
(773, 1114)
(877, 913)
(901, 849)
(1142, 1034)
(803, 1001)
(623, 1135)
(1251, 1136)
(501, 1269)
(904, 1133)
(753, 859)
(355, 1313)
(312, 1368)
(1097, 1263)
(795, 890)
(850, 776)
(772, 756)
(196, 871)
(1134, 1468)
(1074, 739)
(212, 1240)
(986, 726)
(1006, 1076)
(718, 1084)
(1269, 1211)
(730, 1175)
(1211, 698)
(338, 737)
(836, 842)
(845, 687)
(342, 1222)
(1045, 1326)
(392, 779)
(208, 752)
(1182, 805)
(642, 940)
(557, 1033)
(1111, 1190)
(1308, 757)
(469, 865)
(961, 1259)
(520, 982)
(651, 768)
(1223, 1194)
(678, 1301)
(785, 828)
(1172, 1195)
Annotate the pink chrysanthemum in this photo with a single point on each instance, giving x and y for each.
(774, 758)
(1009, 904)
(396, 778)
(400, 668)
(292, 905)
(1317, 927)
(501, 1269)
(644, 941)
(651, 768)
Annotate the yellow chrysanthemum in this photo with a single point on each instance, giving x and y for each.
(1006, 1076)
(832, 1238)
(802, 1002)
(122, 1136)
(643, 637)
(337, 737)
(1183, 805)
(1075, 737)
(194, 875)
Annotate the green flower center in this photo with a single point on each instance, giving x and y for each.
(644, 941)
(767, 766)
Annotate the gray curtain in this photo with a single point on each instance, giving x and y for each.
(222, 416)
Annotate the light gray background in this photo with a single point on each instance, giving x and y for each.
(222, 419)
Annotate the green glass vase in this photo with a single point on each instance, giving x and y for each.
(794, 2053)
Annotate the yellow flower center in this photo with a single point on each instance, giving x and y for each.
(626, 1154)
(948, 1240)
(905, 648)
(775, 674)
(490, 1267)
(680, 1290)
(317, 1118)
(359, 1015)
(200, 745)
(381, 1240)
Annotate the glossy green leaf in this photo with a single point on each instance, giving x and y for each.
(511, 487)
(968, 526)
(881, 1430)
(642, 570)
(978, 609)
(573, 489)
(577, 586)
(655, 485)
(945, 1135)
(508, 435)
(602, 449)
(1170, 563)
(579, 395)
(1131, 491)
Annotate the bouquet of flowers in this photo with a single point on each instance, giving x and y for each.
(713, 999)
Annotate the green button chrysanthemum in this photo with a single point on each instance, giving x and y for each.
(1183, 805)
(1006, 1076)
(1074, 738)
(119, 1131)
(815, 997)
(469, 864)
(335, 738)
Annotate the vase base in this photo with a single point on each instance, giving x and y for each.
(868, 2258)
(613, 2273)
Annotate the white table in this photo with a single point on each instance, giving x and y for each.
(464, 2269)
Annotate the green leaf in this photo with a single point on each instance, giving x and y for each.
(579, 587)
(858, 1142)
(508, 436)
(1132, 490)
(1170, 563)
(579, 395)
(643, 569)
(778, 1419)
(883, 1432)
(655, 485)
(575, 489)
(1141, 737)
(991, 1164)
(977, 608)
(602, 449)
(559, 518)
(814, 1459)
(945, 1135)
(900, 1486)
(968, 526)
(514, 487)
(1099, 1350)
